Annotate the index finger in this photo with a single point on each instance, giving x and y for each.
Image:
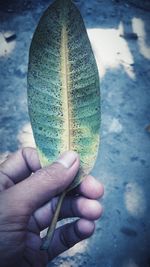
(21, 164)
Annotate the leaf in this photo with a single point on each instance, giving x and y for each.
(63, 88)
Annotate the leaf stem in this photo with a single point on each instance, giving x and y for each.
(51, 229)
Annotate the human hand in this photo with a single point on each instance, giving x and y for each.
(28, 197)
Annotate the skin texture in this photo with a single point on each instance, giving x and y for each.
(28, 197)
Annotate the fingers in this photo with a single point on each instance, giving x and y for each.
(90, 188)
(81, 206)
(43, 185)
(21, 164)
(72, 207)
(68, 235)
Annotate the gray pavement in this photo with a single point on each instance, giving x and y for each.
(120, 35)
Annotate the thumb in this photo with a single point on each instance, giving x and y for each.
(44, 184)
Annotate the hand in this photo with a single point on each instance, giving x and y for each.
(28, 199)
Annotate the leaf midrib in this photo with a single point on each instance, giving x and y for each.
(65, 82)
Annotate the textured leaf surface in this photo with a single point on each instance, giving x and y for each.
(63, 87)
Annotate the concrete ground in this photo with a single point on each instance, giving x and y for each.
(120, 35)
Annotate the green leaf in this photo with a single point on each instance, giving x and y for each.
(63, 88)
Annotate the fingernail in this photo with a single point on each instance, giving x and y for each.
(67, 158)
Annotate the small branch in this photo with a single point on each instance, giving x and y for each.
(51, 229)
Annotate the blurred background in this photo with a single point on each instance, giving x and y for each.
(120, 35)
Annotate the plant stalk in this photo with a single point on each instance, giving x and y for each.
(50, 233)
